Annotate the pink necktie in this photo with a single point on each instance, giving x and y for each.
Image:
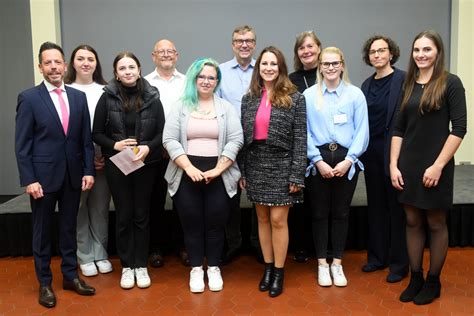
(64, 112)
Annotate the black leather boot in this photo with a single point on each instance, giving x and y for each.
(431, 290)
(413, 288)
(266, 278)
(277, 282)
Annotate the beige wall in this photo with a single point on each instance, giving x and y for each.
(45, 26)
(462, 47)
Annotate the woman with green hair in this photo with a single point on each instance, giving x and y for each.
(203, 136)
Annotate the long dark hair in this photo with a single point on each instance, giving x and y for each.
(282, 88)
(127, 102)
(434, 89)
(71, 71)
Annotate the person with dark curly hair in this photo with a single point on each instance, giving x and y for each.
(386, 219)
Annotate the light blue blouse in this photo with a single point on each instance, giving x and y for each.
(341, 118)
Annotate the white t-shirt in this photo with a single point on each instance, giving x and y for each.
(93, 93)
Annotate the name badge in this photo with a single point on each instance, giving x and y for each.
(340, 118)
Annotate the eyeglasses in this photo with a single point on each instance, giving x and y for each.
(163, 52)
(334, 64)
(378, 51)
(240, 42)
(203, 78)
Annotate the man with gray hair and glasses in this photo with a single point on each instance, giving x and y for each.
(236, 76)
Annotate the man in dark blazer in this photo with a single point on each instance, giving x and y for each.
(54, 152)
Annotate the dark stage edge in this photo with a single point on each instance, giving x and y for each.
(15, 220)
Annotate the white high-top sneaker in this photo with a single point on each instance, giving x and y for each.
(215, 279)
(324, 277)
(338, 275)
(143, 279)
(128, 278)
(196, 280)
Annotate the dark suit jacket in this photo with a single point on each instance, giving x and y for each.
(43, 151)
(394, 99)
(287, 130)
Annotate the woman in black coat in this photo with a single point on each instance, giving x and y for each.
(130, 115)
(386, 218)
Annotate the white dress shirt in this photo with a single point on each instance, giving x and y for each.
(55, 98)
(170, 90)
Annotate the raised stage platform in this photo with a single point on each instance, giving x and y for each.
(15, 218)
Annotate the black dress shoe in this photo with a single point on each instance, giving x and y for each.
(266, 280)
(156, 260)
(301, 256)
(46, 296)
(276, 287)
(183, 255)
(370, 267)
(394, 277)
(79, 286)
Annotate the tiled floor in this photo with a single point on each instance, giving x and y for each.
(366, 294)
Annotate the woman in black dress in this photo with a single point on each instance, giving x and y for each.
(273, 159)
(386, 218)
(421, 159)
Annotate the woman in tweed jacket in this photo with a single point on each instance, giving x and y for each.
(273, 158)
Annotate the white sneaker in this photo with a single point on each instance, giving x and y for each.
(143, 279)
(196, 280)
(215, 279)
(324, 277)
(88, 269)
(104, 266)
(128, 278)
(338, 275)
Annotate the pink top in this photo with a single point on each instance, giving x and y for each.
(262, 119)
(202, 137)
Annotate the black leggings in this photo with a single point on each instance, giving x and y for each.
(131, 195)
(330, 201)
(203, 210)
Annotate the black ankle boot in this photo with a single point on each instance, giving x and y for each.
(431, 290)
(266, 278)
(277, 282)
(413, 288)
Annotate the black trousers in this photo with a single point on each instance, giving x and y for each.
(43, 210)
(299, 223)
(232, 231)
(330, 201)
(131, 195)
(386, 217)
(161, 236)
(204, 211)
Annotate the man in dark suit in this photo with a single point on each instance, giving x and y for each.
(54, 152)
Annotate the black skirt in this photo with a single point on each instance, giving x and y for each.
(267, 174)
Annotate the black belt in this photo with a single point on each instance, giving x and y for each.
(330, 146)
